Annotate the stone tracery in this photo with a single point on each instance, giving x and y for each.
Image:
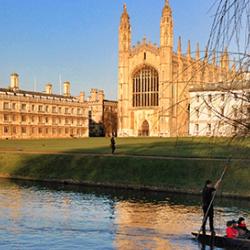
(145, 87)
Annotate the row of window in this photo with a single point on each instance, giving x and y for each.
(42, 119)
(209, 98)
(33, 130)
(42, 108)
(221, 112)
(209, 129)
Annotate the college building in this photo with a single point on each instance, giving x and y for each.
(29, 114)
(102, 115)
(220, 109)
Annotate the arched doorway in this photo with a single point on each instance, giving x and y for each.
(144, 131)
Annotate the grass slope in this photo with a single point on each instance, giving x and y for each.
(176, 175)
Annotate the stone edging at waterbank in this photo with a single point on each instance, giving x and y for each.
(121, 186)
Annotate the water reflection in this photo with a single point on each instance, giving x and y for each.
(39, 216)
(147, 226)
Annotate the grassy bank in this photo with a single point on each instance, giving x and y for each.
(181, 147)
(177, 175)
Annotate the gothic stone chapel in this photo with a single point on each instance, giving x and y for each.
(153, 95)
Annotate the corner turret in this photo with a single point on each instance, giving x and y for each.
(166, 26)
(124, 31)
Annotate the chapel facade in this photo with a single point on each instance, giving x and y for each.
(153, 87)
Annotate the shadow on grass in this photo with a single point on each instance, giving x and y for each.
(182, 148)
(177, 147)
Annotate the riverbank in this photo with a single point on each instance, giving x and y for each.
(180, 175)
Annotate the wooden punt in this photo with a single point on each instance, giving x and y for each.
(223, 242)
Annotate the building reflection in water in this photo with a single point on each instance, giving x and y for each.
(149, 226)
(11, 202)
(24, 205)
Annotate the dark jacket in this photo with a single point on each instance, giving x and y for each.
(207, 195)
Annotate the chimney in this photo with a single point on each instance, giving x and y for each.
(100, 95)
(48, 89)
(66, 88)
(14, 81)
(82, 97)
(93, 95)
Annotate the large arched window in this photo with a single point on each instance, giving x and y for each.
(146, 87)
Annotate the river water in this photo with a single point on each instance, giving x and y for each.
(42, 216)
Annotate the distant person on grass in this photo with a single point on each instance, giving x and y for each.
(112, 144)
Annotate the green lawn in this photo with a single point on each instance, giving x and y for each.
(188, 147)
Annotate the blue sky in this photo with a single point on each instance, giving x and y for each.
(40, 39)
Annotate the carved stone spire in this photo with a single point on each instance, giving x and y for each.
(124, 16)
(214, 58)
(214, 68)
(189, 49)
(221, 60)
(179, 47)
(166, 8)
(166, 28)
(206, 55)
(226, 59)
(234, 66)
(198, 65)
(197, 52)
(124, 31)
